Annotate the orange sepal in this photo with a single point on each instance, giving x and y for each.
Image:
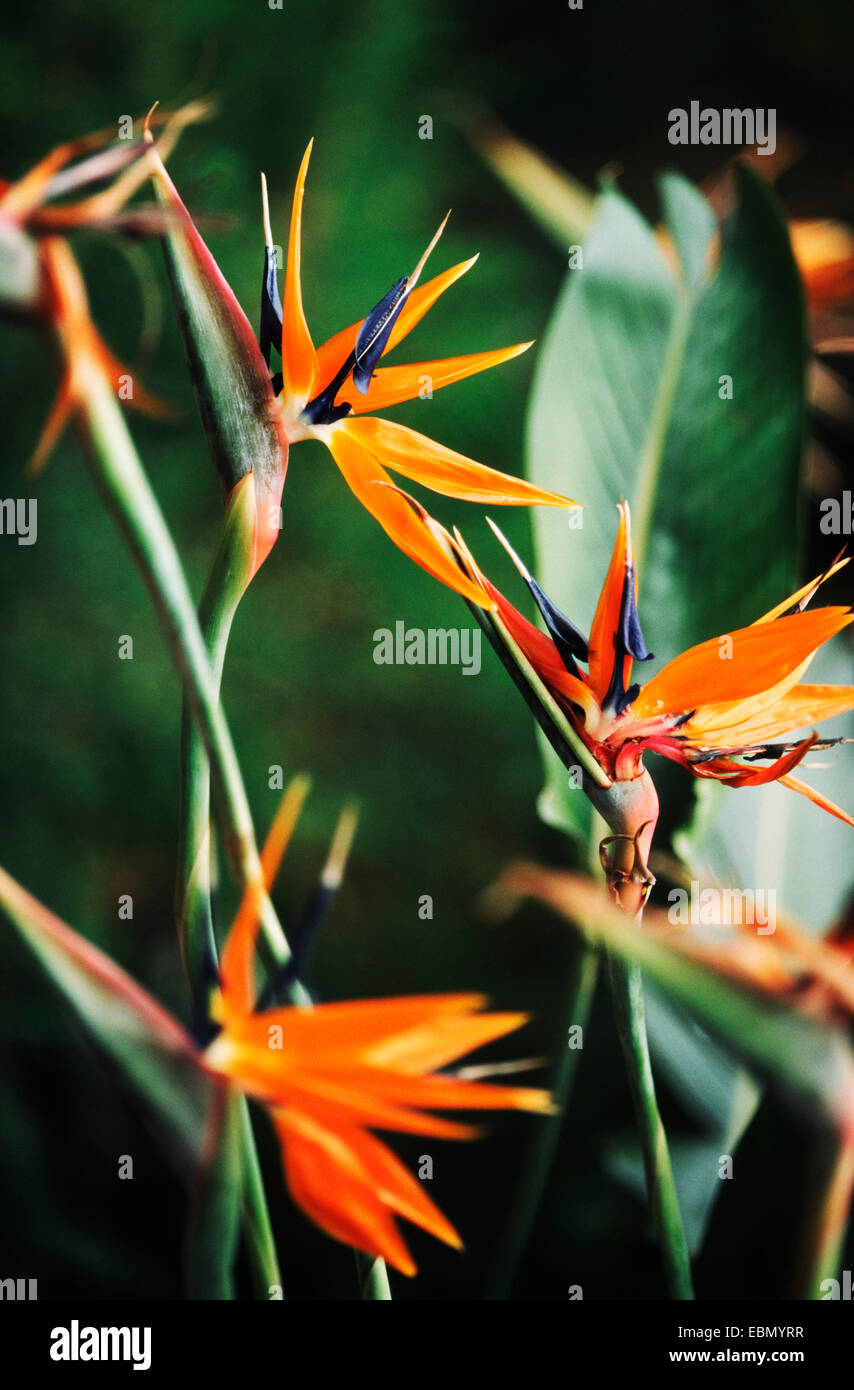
(735, 774)
(799, 707)
(606, 620)
(236, 968)
(392, 385)
(335, 351)
(351, 1186)
(299, 359)
(444, 471)
(375, 490)
(540, 650)
(756, 659)
(796, 785)
(803, 595)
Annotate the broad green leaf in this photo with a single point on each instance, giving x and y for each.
(627, 402)
(714, 1087)
(153, 1052)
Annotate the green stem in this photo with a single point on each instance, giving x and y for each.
(121, 478)
(373, 1278)
(214, 1225)
(256, 1214)
(626, 980)
(194, 885)
(207, 743)
(541, 1153)
(627, 991)
(226, 584)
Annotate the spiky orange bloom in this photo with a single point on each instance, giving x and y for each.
(326, 393)
(329, 1075)
(50, 288)
(86, 359)
(717, 709)
(332, 1074)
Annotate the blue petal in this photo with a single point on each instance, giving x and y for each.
(375, 332)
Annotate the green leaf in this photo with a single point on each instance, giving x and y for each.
(153, 1052)
(214, 1227)
(626, 403)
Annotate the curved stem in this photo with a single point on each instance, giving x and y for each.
(627, 990)
(121, 479)
(256, 1214)
(633, 812)
(207, 741)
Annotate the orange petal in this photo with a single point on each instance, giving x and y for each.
(543, 655)
(374, 488)
(340, 1096)
(804, 705)
(443, 470)
(740, 664)
(735, 774)
(141, 399)
(606, 620)
(806, 592)
(236, 971)
(299, 359)
(391, 385)
(60, 413)
(796, 785)
(441, 1041)
(82, 349)
(715, 724)
(422, 299)
(354, 1026)
(337, 349)
(351, 1186)
(444, 1092)
(400, 1190)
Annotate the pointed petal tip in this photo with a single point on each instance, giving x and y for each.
(342, 841)
(517, 561)
(265, 213)
(146, 126)
(413, 278)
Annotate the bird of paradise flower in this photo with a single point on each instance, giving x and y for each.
(718, 709)
(327, 1075)
(325, 393)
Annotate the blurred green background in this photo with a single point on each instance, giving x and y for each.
(445, 767)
